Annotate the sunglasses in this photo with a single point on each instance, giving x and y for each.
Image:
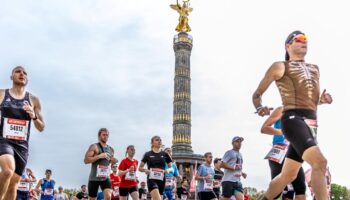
(299, 38)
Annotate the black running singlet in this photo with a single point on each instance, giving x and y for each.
(15, 122)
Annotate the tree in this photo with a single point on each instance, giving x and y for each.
(339, 192)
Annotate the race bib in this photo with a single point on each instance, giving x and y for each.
(48, 191)
(169, 182)
(115, 191)
(24, 186)
(144, 196)
(312, 124)
(102, 171)
(217, 183)
(130, 176)
(15, 129)
(208, 184)
(183, 197)
(277, 153)
(156, 174)
(238, 173)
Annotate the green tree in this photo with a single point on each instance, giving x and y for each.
(339, 192)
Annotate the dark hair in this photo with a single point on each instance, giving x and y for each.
(127, 148)
(289, 40)
(101, 130)
(14, 69)
(153, 138)
(216, 160)
(82, 186)
(207, 154)
(183, 180)
(48, 170)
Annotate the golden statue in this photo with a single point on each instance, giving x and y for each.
(184, 11)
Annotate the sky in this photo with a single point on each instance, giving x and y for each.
(110, 63)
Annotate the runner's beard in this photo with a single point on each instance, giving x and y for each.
(19, 83)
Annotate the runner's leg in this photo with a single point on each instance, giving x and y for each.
(7, 165)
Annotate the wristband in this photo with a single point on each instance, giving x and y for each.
(35, 118)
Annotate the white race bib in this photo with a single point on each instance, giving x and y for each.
(312, 124)
(208, 185)
(48, 191)
(238, 172)
(102, 171)
(183, 197)
(15, 129)
(277, 153)
(115, 191)
(156, 174)
(130, 176)
(169, 181)
(24, 186)
(144, 196)
(217, 183)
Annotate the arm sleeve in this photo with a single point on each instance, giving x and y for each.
(226, 158)
(144, 158)
(121, 166)
(168, 158)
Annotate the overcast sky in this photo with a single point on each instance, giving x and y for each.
(110, 63)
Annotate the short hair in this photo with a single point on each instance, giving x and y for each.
(216, 160)
(102, 130)
(18, 66)
(207, 154)
(82, 186)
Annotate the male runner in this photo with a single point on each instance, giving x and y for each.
(61, 195)
(205, 178)
(25, 184)
(298, 83)
(100, 155)
(83, 194)
(18, 109)
(46, 186)
(232, 162)
(143, 191)
(217, 177)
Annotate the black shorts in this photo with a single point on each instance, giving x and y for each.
(230, 188)
(206, 195)
(124, 192)
(18, 151)
(297, 132)
(155, 184)
(94, 185)
(21, 195)
(298, 184)
(217, 192)
(114, 198)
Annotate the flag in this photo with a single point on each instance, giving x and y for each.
(193, 180)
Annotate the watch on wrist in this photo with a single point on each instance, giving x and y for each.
(35, 118)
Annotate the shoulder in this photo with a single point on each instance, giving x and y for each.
(33, 98)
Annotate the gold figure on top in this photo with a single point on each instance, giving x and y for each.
(184, 11)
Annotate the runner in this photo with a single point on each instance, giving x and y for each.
(18, 109)
(83, 194)
(232, 162)
(61, 195)
(298, 83)
(127, 171)
(155, 160)
(25, 185)
(100, 155)
(277, 154)
(182, 192)
(46, 186)
(205, 178)
(143, 191)
(115, 181)
(217, 177)
(170, 180)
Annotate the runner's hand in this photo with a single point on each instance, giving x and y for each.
(264, 110)
(244, 175)
(207, 177)
(147, 171)
(326, 97)
(103, 156)
(29, 110)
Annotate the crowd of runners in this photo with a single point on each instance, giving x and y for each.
(293, 126)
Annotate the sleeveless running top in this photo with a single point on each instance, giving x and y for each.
(15, 122)
(278, 139)
(48, 189)
(100, 168)
(299, 87)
